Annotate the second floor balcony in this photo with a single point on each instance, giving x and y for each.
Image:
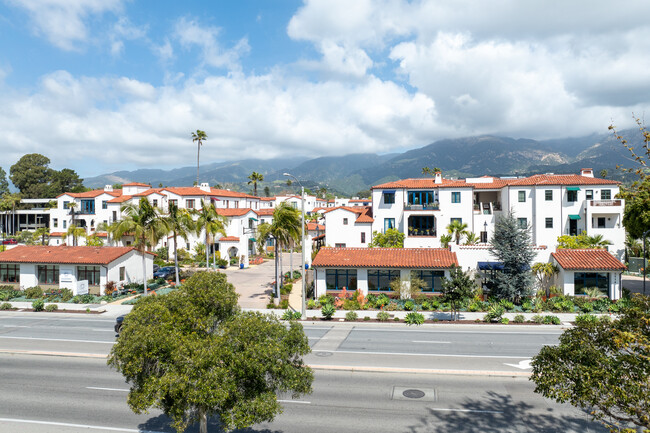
(605, 203)
(426, 206)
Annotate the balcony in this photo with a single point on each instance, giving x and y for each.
(430, 206)
(422, 232)
(599, 203)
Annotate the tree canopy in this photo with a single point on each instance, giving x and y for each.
(602, 366)
(458, 287)
(393, 238)
(4, 183)
(193, 354)
(35, 179)
(582, 241)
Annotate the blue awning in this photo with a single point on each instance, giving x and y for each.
(488, 266)
(572, 188)
(388, 191)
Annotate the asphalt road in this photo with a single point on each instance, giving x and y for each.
(63, 394)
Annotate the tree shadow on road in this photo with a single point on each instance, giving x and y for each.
(162, 423)
(498, 413)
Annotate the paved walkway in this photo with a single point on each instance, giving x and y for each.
(635, 284)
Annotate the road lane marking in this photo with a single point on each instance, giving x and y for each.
(56, 339)
(63, 319)
(433, 342)
(49, 353)
(447, 355)
(294, 401)
(84, 426)
(440, 409)
(16, 326)
(107, 389)
(473, 331)
(524, 365)
(366, 369)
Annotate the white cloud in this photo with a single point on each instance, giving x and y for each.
(124, 30)
(62, 21)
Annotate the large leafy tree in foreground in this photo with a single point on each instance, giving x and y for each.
(193, 354)
(393, 238)
(602, 366)
(511, 245)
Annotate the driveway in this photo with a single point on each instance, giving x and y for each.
(635, 284)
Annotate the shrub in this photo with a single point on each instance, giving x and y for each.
(537, 319)
(586, 318)
(270, 305)
(33, 292)
(351, 304)
(507, 304)
(286, 289)
(366, 318)
(552, 320)
(288, 315)
(350, 316)
(425, 305)
(284, 304)
(51, 307)
(7, 293)
(527, 305)
(396, 319)
(392, 306)
(110, 287)
(65, 295)
(326, 299)
(519, 318)
(5, 306)
(38, 305)
(382, 301)
(383, 316)
(409, 305)
(414, 318)
(328, 311)
(311, 304)
(494, 313)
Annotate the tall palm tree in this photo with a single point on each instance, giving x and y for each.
(179, 223)
(254, 178)
(597, 241)
(457, 229)
(430, 171)
(284, 228)
(43, 233)
(198, 136)
(210, 221)
(144, 223)
(76, 233)
(545, 273)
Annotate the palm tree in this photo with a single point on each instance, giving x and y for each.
(544, 273)
(445, 240)
(210, 221)
(180, 223)
(198, 136)
(43, 233)
(471, 238)
(634, 247)
(457, 229)
(429, 171)
(597, 241)
(144, 223)
(254, 178)
(284, 228)
(76, 233)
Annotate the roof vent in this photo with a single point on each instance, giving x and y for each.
(587, 172)
(205, 187)
(108, 188)
(438, 178)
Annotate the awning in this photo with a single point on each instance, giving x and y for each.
(388, 191)
(574, 217)
(251, 218)
(490, 266)
(253, 240)
(572, 188)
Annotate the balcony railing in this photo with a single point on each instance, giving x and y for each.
(604, 202)
(422, 232)
(430, 206)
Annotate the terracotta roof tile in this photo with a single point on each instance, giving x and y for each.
(136, 184)
(315, 226)
(92, 194)
(267, 198)
(364, 213)
(264, 212)
(228, 239)
(409, 258)
(57, 234)
(587, 259)
(562, 179)
(228, 212)
(196, 191)
(366, 217)
(120, 199)
(63, 254)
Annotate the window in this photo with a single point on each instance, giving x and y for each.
(548, 195)
(87, 207)
(389, 223)
(89, 273)
(237, 205)
(458, 220)
(522, 196)
(65, 223)
(586, 280)
(605, 194)
(339, 245)
(66, 204)
(9, 273)
(601, 222)
(363, 238)
(48, 274)
(122, 273)
(420, 197)
(523, 223)
(572, 196)
(154, 202)
(455, 197)
(379, 280)
(345, 221)
(173, 202)
(389, 198)
(114, 215)
(432, 279)
(549, 223)
(55, 222)
(104, 204)
(336, 279)
(589, 194)
(421, 225)
(187, 246)
(190, 203)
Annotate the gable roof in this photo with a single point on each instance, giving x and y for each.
(410, 258)
(64, 254)
(364, 213)
(92, 194)
(264, 212)
(136, 184)
(196, 191)
(562, 179)
(233, 211)
(587, 259)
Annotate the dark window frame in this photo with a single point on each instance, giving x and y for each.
(48, 274)
(605, 194)
(389, 197)
(549, 223)
(9, 273)
(89, 273)
(582, 280)
(379, 279)
(548, 195)
(521, 196)
(430, 277)
(455, 196)
(343, 277)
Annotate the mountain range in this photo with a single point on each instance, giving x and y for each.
(349, 174)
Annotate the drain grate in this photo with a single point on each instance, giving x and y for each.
(413, 393)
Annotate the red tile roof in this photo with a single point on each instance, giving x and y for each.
(588, 259)
(196, 191)
(136, 184)
(57, 234)
(366, 216)
(364, 213)
(120, 199)
(264, 212)
(92, 194)
(267, 198)
(562, 179)
(149, 192)
(421, 258)
(63, 254)
(315, 226)
(233, 212)
(228, 239)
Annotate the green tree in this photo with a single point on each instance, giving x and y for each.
(511, 245)
(4, 183)
(66, 180)
(76, 233)
(445, 240)
(180, 224)
(602, 367)
(44, 234)
(198, 136)
(193, 354)
(544, 272)
(457, 289)
(582, 241)
(603, 173)
(94, 241)
(267, 191)
(255, 177)
(457, 229)
(144, 223)
(32, 175)
(430, 171)
(366, 193)
(471, 238)
(392, 238)
(212, 223)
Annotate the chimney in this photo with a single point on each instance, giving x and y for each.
(438, 178)
(108, 188)
(587, 172)
(205, 187)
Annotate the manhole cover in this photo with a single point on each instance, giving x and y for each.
(413, 393)
(323, 354)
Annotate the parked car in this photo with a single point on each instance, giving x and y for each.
(118, 324)
(165, 272)
(9, 242)
(155, 267)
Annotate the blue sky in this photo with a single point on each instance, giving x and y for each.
(105, 85)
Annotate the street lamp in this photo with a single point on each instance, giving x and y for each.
(303, 309)
(645, 234)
